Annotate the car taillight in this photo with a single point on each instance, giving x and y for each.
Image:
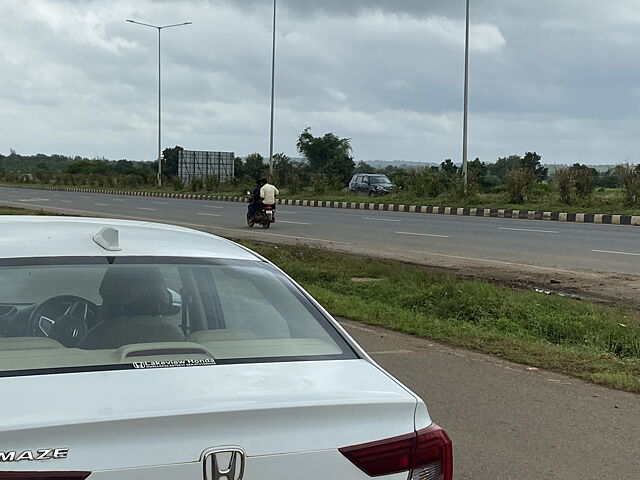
(427, 453)
(44, 475)
(433, 455)
(383, 456)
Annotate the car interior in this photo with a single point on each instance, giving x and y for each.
(103, 314)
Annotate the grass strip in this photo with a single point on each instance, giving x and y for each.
(593, 342)
(20, 211)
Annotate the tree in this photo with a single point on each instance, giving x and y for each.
(583, 180)
(283, 168)
(238, 168)
(448, 166)
(171, 158)
(477, 167)
(363, 167)
(531, 162)
(503, 166)
(329, 155)
(254, 166)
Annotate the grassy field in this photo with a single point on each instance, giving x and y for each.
(593, 342)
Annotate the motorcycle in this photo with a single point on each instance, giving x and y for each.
(264, 216)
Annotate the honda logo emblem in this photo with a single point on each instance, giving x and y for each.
(225, 463)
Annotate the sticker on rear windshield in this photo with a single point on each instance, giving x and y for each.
(175, 363)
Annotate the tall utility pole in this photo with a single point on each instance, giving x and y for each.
(466, 101)
(159, 28)
(273, 89)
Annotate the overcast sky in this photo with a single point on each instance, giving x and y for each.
(561, 77)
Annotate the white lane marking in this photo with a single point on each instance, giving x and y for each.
(119, 200)
(212, 206)
(66, 201)
(380, 219)
(210, 214)
(102, 204)
(280, 212)
(33, 200)
(161, 203)
(295, 223)
(145, 208)
(616, 253)
(501, 262)
(423, 234)
(206, 228)
(527, 230)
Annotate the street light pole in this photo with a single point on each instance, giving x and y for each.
(159, 28)
(159, 157)
(273, 90)
(466, 101)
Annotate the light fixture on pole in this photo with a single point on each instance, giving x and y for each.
(159, 28)
(466, 101)
(273, 90)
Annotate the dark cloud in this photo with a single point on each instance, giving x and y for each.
(553, 75)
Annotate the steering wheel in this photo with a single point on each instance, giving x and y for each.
(68, 328)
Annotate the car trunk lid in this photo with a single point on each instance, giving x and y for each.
(136, 419)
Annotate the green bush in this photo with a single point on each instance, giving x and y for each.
(176, 183)
(319, 183)
(563, 179)
(196, 184)
(460, 192)
(427, 182)
(583, 179)
(293, 183)
(489, 182)
(631, 183)
(519, 184)
(211, 183)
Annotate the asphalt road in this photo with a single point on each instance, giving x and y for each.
(573, 246)
(510, 423)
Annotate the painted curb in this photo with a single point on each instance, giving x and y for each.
(599, 218)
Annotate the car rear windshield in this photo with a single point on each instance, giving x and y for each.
(379, 179)
(78, 314)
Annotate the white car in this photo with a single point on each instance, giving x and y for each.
(139, 351)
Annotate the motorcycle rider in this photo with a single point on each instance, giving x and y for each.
(255, 202)
(268, 194)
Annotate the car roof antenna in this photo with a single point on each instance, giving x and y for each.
(108, 238)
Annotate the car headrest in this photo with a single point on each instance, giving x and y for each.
(133, 290)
